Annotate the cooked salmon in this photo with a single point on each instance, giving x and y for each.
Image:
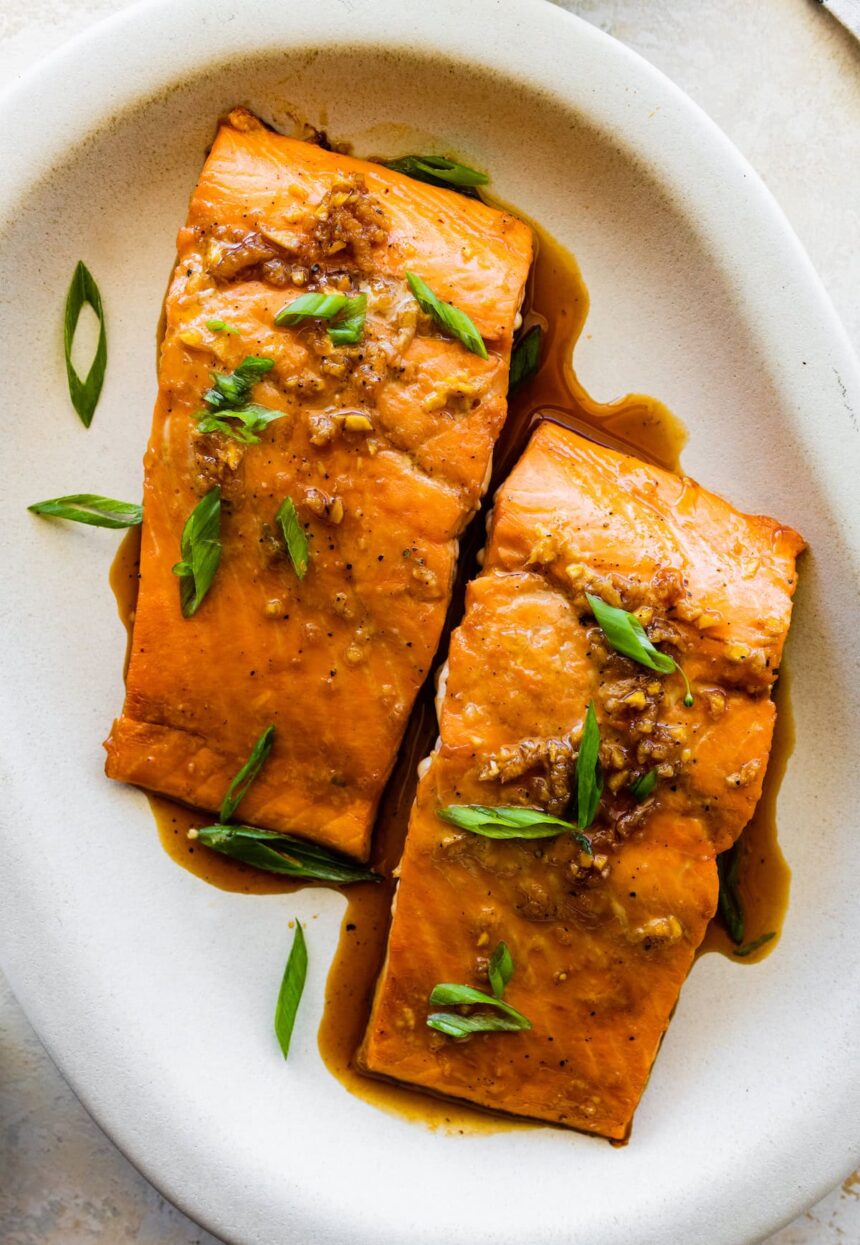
(601, 940)
(382, 445)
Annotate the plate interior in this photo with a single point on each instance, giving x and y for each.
(156, 992)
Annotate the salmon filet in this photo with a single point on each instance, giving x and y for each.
(383, 446)
(602, 941)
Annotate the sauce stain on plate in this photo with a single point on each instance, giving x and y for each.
(557, 301)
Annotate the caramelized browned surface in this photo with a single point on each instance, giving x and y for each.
(334, 661)
(601, 945)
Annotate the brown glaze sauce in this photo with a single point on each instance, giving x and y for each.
(558, 301)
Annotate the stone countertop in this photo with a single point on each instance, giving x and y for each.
(782, 78)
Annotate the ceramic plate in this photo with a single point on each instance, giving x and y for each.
(155, 992)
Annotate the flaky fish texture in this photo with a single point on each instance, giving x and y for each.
(383, 446)
(601, 941)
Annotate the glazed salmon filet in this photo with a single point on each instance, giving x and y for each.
(334, 661)
(601, 946)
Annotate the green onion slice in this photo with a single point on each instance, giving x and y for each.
(290, 993)
(200, 547)
(272, 852)
(511, 822)
(449, 317)
(238, 788)
(525, 357)
(644, 785)
(311, 307)
(295, 537)
(84, 393)
(91, 508)
(439, 171)
(589, 779)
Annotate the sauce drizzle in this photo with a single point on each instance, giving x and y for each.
(558, 301)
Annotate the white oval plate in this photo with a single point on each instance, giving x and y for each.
(154, 992)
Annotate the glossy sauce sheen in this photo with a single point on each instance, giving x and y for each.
(601, 939)
(558, 300)
(382, 447)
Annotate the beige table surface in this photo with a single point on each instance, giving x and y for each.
(782, 78)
